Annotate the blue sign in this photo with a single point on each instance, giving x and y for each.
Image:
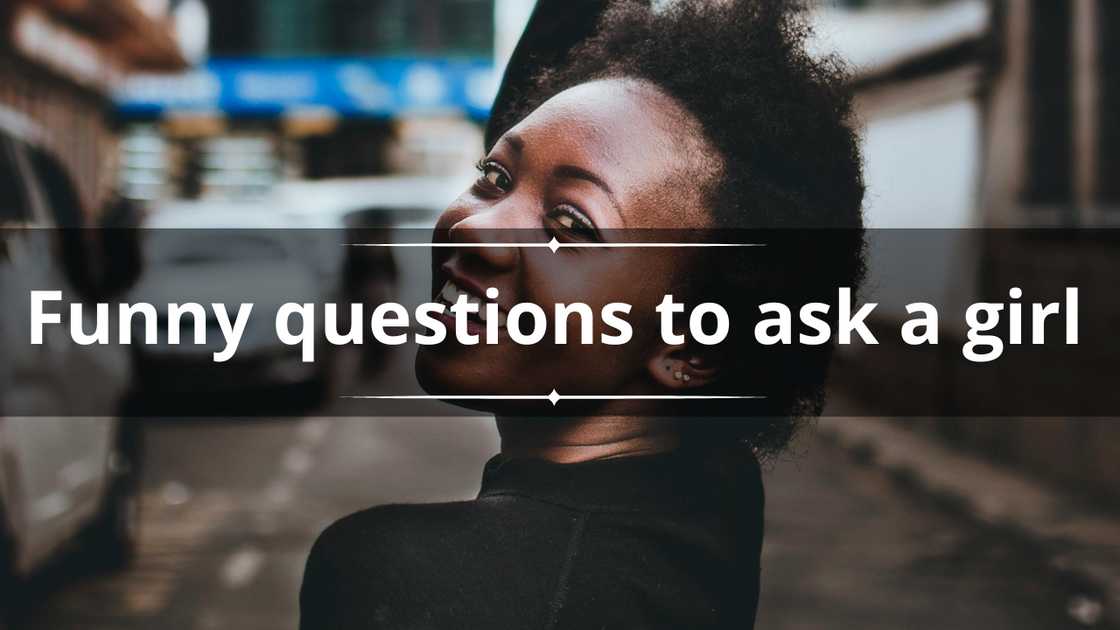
(348, 87)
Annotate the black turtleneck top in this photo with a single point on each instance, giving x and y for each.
(665, 541)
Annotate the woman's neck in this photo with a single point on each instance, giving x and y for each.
(571, 441)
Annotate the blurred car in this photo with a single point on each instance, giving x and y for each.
(225, 253)
(382, 209)
(398, 201)
(68, 464)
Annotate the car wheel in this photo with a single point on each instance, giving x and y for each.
(114, 536)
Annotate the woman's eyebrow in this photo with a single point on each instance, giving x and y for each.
(568, 171)
(516, 142)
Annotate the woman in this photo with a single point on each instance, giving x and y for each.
(626, 512)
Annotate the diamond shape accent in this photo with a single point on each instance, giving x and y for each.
(554, 398)
(554, 245)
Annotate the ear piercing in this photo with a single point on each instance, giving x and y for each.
(681, 376)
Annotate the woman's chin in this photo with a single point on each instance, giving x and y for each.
(457, 373)
(460, 374)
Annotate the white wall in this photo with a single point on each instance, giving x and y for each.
(510, 18)
(922, 171)
(922, 167)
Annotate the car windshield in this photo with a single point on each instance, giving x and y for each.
(193, 247)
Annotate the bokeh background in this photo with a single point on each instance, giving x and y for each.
(368, 115)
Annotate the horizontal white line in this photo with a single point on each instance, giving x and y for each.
(555, 246)
(511, 397)
(659, 397)
(555, 397)
(545, 397)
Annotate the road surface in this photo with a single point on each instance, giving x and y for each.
(232, 507)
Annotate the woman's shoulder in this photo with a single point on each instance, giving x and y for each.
(404, 566)
(405, 537)
(386, 529)
(377, 560)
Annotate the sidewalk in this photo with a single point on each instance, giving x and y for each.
(1075, 539)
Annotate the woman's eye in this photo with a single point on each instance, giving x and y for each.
(573, 223)
(494, 176)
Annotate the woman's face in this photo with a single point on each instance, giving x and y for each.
(598, 163)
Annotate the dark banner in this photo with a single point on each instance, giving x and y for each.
(723, 324)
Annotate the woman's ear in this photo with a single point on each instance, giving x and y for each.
(679, 368)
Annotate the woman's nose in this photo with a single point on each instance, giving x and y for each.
(484, 235)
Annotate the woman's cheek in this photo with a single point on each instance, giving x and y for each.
(457, 211)
(594, 277)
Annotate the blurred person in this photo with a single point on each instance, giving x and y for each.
(121, 245)
(697, 116)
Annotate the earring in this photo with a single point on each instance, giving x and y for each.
(687, 378)
(678, 375)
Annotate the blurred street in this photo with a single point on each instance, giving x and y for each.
(232, 507)
(263, 134)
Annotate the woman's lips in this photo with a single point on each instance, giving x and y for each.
(452, 293)
(473, 326)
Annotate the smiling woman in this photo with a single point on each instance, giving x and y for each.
(630, 511)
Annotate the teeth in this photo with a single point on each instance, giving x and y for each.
(449, 293)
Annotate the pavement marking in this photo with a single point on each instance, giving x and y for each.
(312, 431)
(298, 461)
(242, 567)
(167, 546)
(175, 493)
(279, 493)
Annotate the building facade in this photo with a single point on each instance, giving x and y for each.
(59, 63)
(981, 115)
(294, 89)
